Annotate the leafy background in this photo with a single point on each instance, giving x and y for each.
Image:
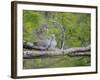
(77, 34)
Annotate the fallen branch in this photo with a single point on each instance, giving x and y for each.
(84, 51)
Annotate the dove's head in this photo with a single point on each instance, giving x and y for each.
(45, 27)
(53, 36)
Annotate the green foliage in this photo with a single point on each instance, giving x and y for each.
(31, 22)
(76, 26)
(58, 61)
(77, 34)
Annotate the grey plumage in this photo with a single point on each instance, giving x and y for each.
(40, 33)
(49, 43)
(53, 42)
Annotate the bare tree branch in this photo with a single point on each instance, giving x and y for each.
(84, 51)
(62, 32)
